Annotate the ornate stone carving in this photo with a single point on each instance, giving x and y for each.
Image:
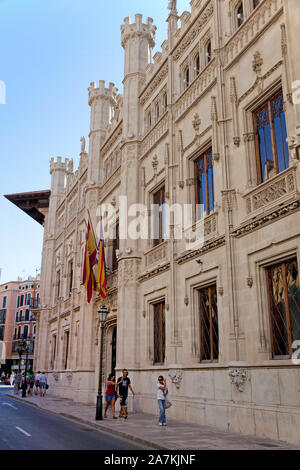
(193, 32)
(278, 187)
(266, 219)
(238, 378)
(196, 123)
(249, 282)
(257, 63)
(55, 376)
(176, 377)
(69, 377)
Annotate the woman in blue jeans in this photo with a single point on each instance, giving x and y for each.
(162, 391)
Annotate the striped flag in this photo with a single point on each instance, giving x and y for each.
(90, 259)
(101, 284)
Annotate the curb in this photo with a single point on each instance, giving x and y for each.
(114, 432)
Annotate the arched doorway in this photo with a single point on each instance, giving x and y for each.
(114, 349)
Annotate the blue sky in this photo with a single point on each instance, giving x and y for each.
(50, 51)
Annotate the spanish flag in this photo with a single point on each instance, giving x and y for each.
(90, 259)
(101, 284)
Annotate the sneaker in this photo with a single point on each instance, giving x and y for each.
(125, 417)
(164, 424)
(161, 424)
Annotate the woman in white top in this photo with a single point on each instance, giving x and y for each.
(162, 391)
(12, 379)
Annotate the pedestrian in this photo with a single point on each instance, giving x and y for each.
(162, 392)
(110, 395)
(42, 384)
(124, 384)
(3, 377)
(12, 378)
(37, 382)
(18, 381)
(31, 383)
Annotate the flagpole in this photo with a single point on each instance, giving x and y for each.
(90, 219)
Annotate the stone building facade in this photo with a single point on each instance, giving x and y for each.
(17, 299)
(211, 119)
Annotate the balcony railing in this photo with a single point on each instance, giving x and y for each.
(35, 304)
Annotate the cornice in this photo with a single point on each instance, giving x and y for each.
(211, 245)
(267, 218)
(155, 272)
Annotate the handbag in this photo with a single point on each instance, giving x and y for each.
(168, 403)
(47, 386)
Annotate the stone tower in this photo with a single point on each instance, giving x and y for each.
(138, 40)
(102, 103)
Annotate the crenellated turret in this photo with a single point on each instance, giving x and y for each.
(138, 41)
(103, 102)
(59, 169)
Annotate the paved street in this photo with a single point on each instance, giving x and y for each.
(141, 428)
(24, 427)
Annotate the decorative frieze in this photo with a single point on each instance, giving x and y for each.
(280, 186)
(267, 218)
(208, 246)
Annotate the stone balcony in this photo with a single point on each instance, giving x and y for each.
(155, 134)
(157, 255)
(271, 193)
(258, 20)
(205, 80)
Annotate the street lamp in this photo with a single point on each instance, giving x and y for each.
(20, 348)
(103, 312)
(28, 343)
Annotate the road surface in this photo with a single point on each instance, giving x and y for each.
(24, 427)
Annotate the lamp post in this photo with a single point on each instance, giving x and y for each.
(103, 312)
(27, 342)
(20, 348)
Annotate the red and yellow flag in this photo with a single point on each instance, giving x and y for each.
(101, 284)
(90, 259)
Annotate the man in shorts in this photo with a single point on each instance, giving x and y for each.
(123, 386)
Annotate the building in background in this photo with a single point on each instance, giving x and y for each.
(17, 321)
(210, 120)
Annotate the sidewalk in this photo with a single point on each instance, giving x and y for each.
(143, 428)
